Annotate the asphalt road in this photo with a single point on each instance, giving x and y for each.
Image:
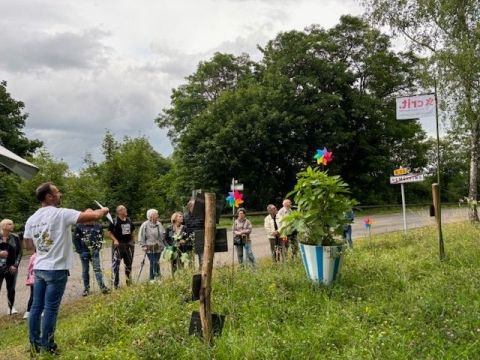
(260, 245)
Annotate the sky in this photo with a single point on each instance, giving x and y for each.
(82, 67)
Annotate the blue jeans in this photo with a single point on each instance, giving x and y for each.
(94, 257)
(154, 259)
(48, 290)
(248, 251)
(347, 234)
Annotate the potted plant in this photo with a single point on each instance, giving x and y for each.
(322, 201)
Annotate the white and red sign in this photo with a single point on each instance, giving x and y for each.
(415, 107)
(409, 178)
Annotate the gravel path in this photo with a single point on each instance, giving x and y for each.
(261, 248)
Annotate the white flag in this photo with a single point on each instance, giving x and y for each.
(415, 107)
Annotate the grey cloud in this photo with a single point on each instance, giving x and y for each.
(58, 51)
(71, 110)
(178, 64)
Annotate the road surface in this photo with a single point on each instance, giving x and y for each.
(381, 224)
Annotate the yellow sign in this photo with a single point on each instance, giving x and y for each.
(400, 171)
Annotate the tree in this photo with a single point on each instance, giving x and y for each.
(131, 175)
(12, 122)
(221, 73)
(312, 88)
(447, 31)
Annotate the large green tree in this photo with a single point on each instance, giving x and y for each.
(447, 33)
(312, 88)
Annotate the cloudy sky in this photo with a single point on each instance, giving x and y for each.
(85, 66)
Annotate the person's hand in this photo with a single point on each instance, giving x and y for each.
(144, 248)
(275, 233)
(105, 210)
(3, 254)
(181, 242)
(13, 269)
(116, 243)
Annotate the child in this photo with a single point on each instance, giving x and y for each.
(29, 282)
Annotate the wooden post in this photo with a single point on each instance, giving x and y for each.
(438, 218)
(208, 253)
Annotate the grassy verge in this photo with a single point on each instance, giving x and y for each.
(395, 300)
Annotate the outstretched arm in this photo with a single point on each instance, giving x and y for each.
(92, 215)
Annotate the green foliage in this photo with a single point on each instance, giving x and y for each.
(395, 300)
(132, 175)
(312, 88)
(322, 202)
(12, 122)
(446, 32)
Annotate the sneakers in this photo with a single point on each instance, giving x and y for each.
(12, 311)
(26, 315)
(86, 292)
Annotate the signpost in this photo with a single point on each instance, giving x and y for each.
(418, 107)
(402, 178)
(401, 171)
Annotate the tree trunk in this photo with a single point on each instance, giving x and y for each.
(472, 190)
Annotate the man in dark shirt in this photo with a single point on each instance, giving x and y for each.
(191, 224)
(123, 246)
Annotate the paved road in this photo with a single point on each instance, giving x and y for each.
(381, 224)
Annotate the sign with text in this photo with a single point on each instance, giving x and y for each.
(409, 178)
(400, 171)
(415, 107)
(236, 187)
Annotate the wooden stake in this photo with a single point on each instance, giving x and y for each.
(208, 253)
(438, 218)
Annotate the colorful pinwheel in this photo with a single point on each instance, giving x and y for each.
(235, 198)
(323, 156)
(368, 223)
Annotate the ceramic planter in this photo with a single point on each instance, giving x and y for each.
(322, 263)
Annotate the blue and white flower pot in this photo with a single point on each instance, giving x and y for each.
(322, 263)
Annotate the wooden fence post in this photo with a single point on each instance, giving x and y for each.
(207, 267)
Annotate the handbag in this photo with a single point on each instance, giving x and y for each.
(237, 240)
(240, 240)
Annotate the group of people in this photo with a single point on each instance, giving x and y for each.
(175, 243)
(280, 244)
(54, 233)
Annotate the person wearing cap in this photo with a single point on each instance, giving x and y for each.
(241, 231)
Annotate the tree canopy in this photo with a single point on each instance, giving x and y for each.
(312, 88)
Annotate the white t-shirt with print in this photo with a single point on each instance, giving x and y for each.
(51, 231)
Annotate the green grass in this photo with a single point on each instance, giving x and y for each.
(395, 300)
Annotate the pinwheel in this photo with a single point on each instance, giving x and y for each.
(323, 156)
(368, 223)
(235, 198)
